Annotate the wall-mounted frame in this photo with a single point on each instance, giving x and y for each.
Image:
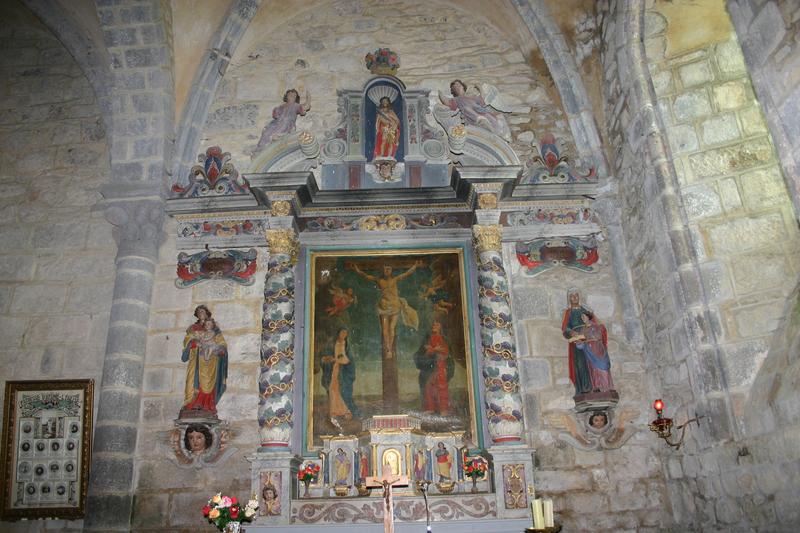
(46, 449)
(401, 320)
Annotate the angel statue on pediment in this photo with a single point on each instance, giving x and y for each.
(483, 110)
(284, 117)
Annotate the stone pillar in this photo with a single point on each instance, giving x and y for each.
(513, 474)
(276, 381)
(502, 398)
(138, 220)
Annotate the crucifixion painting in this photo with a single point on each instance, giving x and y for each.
(389, 334)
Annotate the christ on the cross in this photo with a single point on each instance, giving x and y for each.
(387, 480)
(391, 308)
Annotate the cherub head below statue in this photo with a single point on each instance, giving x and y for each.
(197, 439)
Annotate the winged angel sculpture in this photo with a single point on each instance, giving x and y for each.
(483, 110)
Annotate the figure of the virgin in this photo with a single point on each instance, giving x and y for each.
(338, 375)
(206, 352)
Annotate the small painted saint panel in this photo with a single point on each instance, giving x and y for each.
(388, 335)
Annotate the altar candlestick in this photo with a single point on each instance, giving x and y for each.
(538, 514)
(549, 520)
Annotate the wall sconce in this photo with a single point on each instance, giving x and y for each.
(662, 426)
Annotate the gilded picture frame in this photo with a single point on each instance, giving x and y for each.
(46, 449)
(388, 332)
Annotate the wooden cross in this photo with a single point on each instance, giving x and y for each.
(387, 480)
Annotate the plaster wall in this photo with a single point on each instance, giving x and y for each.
(57, 258)
(321, 50)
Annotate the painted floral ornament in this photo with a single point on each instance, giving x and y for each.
(382, 61)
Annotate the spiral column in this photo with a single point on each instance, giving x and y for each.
(502, 398)
(276, 378)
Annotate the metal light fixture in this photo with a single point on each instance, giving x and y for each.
(662, 426)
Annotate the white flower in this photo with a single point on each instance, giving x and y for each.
(248, 512)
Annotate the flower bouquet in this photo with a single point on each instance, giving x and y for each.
(306, 475)
(475, 468)
(224, 510)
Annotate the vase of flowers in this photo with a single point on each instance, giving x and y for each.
(475, 468)
(227, 513)
(306, 475)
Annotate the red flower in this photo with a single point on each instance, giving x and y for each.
(206, 510)
(235, 512)
(234, 500)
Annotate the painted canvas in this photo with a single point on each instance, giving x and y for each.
(389, 335)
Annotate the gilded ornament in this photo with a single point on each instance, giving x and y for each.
(282, 241)
(487, 201)
(487, 238)
(281, 208)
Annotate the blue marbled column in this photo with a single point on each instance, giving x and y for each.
(503, 401)
(276, 380)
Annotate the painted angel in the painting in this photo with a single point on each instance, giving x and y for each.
(284, 117)
(435, 292)
(483, 109)
(341, 299)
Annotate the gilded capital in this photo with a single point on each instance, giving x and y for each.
(487, 238)
(282, 241)
(281, 208)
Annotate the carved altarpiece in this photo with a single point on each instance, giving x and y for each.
(446, 183)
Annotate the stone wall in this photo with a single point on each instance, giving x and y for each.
(733, 192)
(768, 33)
(57, 254)
(706, 196)
(169, 497)
(599, 490)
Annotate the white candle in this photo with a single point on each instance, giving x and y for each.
(538, 514)
(549, 521)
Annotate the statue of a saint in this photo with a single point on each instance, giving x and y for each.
(387, 131)
(206, 351)
(589, 364)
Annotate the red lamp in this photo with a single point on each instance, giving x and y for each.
(662, 426)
